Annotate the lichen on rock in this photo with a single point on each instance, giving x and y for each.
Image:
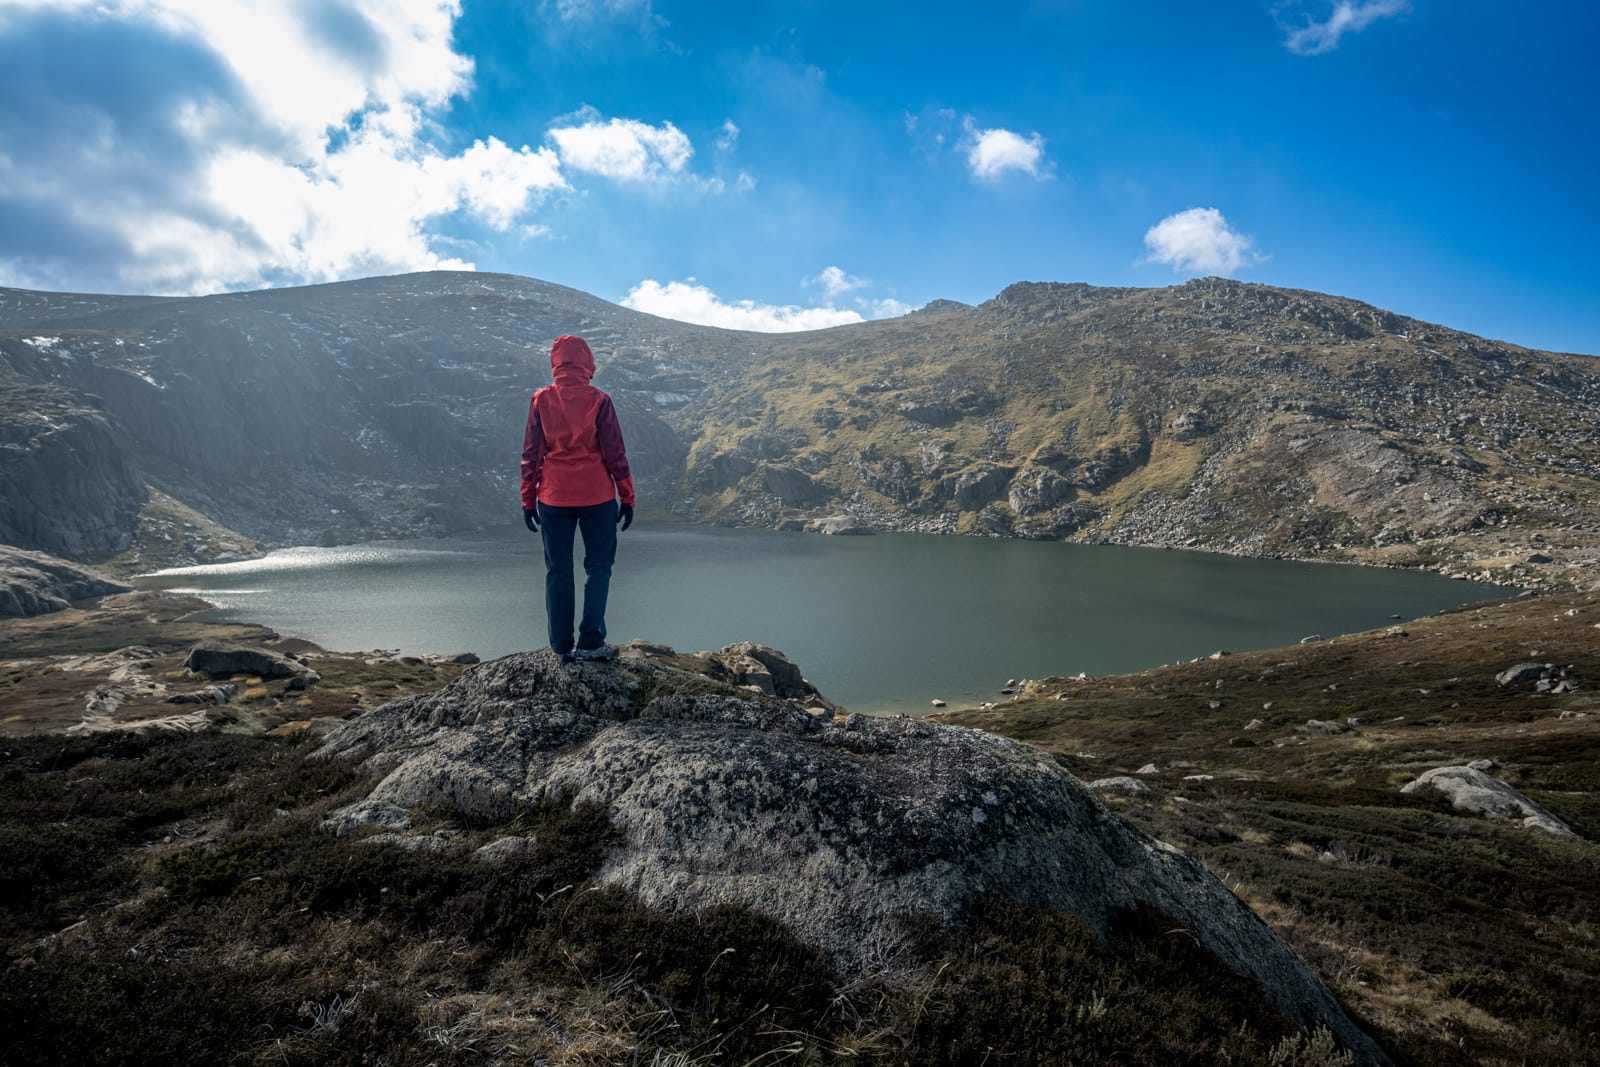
(851, 831)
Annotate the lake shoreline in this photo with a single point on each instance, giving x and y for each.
(886, 624)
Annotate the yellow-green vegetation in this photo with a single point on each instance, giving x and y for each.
(1214, 415)
(1463, 939)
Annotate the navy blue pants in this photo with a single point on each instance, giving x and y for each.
(557, 527)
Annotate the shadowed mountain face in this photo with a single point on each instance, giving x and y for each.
(1214, 414)
(384, 407)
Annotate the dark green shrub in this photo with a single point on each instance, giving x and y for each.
(1497, 995)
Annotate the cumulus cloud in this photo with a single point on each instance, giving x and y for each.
(195, 145)
(1199, 241)
(889, 308)
(834, 282)
(623, 149)
(1348, 16)
(727, 136)
(689, 302)
(991, 153)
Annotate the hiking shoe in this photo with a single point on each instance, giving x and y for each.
(603, 652)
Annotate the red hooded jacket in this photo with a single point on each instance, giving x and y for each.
(572, 452)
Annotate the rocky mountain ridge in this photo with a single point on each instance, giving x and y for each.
(1215, 414)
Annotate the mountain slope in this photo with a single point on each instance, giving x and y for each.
(387, 406)
(1215, 414)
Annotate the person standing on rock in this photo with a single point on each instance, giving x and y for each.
(574, 470)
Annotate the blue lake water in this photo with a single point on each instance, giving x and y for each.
(877, 623)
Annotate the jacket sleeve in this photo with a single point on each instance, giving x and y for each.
(612, 450)
(532, 457)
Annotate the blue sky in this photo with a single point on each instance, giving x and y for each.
(801, 164)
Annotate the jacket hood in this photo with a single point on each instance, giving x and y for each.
(571, 360)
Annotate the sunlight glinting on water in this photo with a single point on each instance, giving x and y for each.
(881, 623)
(308, 559)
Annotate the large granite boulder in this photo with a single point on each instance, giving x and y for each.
(222, 659)
(793, 486)
(848, 830)
(1038, 489)
(976, 486)
(1470, 790)
(32, 583)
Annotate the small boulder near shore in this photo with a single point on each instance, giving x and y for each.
(839, 525)
(839, 827)
(223, 659)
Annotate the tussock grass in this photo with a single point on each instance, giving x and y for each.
(174, 899)
(1463, 939)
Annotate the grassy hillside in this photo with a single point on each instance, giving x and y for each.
(171, 896)
(1464, 939)
(1214, 414)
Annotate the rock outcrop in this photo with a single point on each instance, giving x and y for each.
(849, 830)
(223, 659)
(1472, 791)
(32, 583)
(68, 485)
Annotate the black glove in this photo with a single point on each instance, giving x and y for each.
(530, 519)
(625, 516)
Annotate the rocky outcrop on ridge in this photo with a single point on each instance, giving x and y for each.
(32, 583)
(848, 830)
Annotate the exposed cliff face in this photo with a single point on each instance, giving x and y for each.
(1214, 414)
(32, 583)
(845, 830)
(68, 484)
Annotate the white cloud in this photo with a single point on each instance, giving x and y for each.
(834, 282)
(728, 136)
(1199, 241)
(888, 308)
(623, 149)
(688, 302)
(231, 144)
(588, 11)
(1347, 16)
(991, 153)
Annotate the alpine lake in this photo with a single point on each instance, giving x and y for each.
(880, 624)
